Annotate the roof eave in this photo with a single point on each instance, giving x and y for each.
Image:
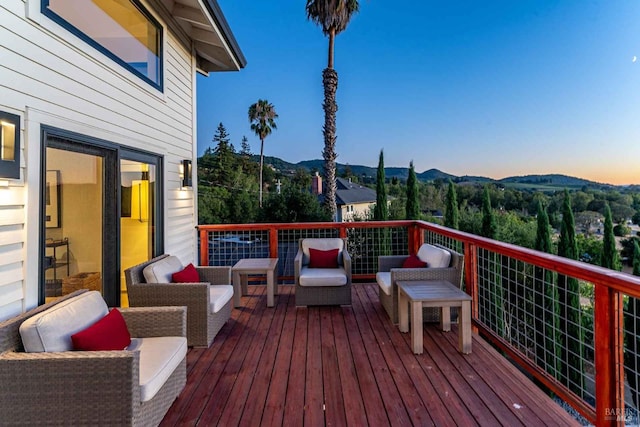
(221, 22)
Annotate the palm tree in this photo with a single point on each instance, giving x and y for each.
(262, 117)
(333, 17)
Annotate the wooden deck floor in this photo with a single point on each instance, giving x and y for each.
(349, 366)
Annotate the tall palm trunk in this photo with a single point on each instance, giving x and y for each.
(330, 83)
(261, 163)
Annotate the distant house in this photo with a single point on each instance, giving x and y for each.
(352, 199)
(98, 135)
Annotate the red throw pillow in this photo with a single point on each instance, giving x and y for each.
(188, 275)
(108, 333)
(323, 259)
(413, 261)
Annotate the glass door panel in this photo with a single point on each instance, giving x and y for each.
(137, 216)
(73, 222)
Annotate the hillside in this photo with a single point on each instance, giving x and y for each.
(541, 182)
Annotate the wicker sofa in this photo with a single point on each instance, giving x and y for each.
(208, 302)
(390, 271)
(322, 286)
(56, 387)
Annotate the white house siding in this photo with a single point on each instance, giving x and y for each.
(50, 77)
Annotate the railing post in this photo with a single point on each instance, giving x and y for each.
(273, 243)
(609, 357)
(343, 232)
(204, 247)
(471, 276)
(416, 238)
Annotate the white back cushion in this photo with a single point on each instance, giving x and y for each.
(51, 329)
(161, 271)
(322, 245)
(434, 256)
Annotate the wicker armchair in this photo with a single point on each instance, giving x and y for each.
(322, 286)
(393, 264)
(202, 323)
(86, 387)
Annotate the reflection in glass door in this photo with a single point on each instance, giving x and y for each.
(73, 222)
(137, 216)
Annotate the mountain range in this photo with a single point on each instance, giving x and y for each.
(368, 172)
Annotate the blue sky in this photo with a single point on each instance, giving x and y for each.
(495, 88)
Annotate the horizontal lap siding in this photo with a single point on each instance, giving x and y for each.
(46, 70)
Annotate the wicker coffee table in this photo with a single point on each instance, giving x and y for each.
(244, 267)
(433, 293)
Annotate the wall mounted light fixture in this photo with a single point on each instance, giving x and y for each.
(9, 145)
(186, 173)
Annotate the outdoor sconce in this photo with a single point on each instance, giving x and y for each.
(9, 145)
(186, 173)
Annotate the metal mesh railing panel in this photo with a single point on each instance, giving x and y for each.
(547, 317)
(631, 315)
(366, 244)
(227, 248)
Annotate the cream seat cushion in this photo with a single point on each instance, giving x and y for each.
(159, 357)
(323, 276)
(51, 330)
(434, 256)
(161, 271)
(219, 296)
(384, 281)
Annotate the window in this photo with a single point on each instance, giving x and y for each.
(121, 29)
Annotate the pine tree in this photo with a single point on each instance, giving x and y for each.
(413, 205)
(610, 256)
(451, 213)
(632, 333)
(570, 310)
(223, 158)
(546, 308)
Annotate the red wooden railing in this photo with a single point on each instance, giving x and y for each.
(609, 285)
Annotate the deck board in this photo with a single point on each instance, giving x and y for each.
(349, 366)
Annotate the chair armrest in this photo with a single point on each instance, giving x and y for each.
(158, 294)
(215, 275)
(449, 274)
(73, 387)
(144, 322)
(346, 261)
(297, 264)
(387, 262)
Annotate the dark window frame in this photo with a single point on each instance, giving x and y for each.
(72, 29)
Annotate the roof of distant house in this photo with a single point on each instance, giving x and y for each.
(348, 192)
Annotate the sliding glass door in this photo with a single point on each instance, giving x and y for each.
(100, 214)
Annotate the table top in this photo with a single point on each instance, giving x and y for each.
(255, 264)
(432, 290)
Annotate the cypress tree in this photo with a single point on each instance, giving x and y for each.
(610, 257)
(570, 310)
(489, 226)
(413, 206)
(492, 286)
(381, 209)
(546, 309)
(632, 333)
(451, 211)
